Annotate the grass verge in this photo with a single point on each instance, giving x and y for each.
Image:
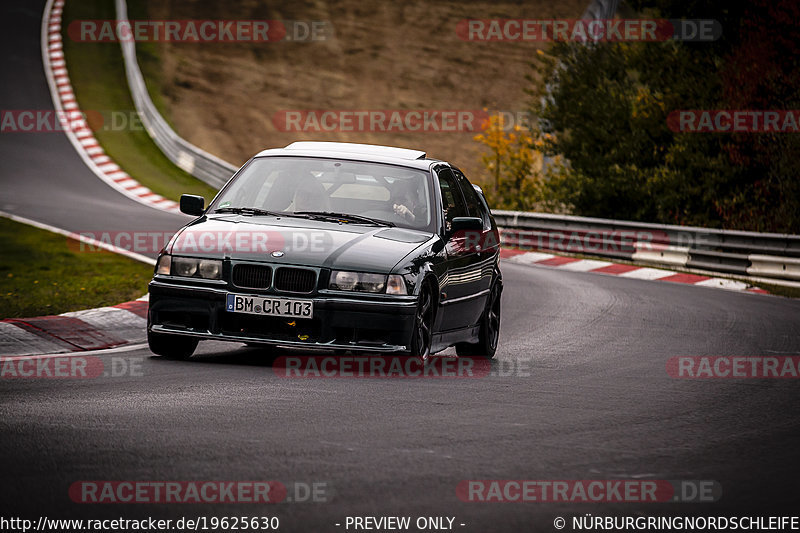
(43, 273)
(98, 79)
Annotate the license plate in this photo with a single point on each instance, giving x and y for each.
(258, 305)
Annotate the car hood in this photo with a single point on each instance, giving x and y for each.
(297, 241)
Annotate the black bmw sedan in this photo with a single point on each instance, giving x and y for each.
(339, 246)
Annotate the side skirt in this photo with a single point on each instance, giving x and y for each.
(442, 341)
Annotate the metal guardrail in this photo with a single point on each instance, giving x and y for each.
(197, 162)
(746, 253)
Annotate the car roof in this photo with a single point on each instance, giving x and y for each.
(356, 152)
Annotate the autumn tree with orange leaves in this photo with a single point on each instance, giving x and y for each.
(514, 163)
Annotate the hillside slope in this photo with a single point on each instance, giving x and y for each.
(383, 56)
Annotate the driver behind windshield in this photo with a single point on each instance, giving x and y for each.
(405, 203)
(310, 195)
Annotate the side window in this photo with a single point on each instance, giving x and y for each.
(452, 201)
(474, 203)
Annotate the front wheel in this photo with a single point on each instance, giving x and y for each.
(171, 346)
(489, 329)
(423, 324)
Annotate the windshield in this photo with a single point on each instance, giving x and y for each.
(306, 186)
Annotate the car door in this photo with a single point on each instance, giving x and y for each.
(486, 243)
(461, 284)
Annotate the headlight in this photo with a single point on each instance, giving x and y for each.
(210, 269)
(356, 281)
(344, 281)
(189, 267)
(182, 266)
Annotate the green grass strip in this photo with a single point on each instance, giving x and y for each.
(43, 273)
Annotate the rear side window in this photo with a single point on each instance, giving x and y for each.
(452, 201)
(474, 204)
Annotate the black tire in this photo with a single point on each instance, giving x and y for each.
(490, 329)
(171, 346)
(422, 334)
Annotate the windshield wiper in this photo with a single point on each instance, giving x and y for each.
(253, 211)
(327, 215)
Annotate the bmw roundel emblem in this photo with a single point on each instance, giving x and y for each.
(277, 253)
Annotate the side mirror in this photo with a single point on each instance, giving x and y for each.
(466, 224)
(192, 205)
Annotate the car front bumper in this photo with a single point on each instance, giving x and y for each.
(356, 323)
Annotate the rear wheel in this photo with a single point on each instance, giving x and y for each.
(423, 324)
(171, 346)
(489, 329)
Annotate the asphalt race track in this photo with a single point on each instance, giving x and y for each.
(579, 390)
(41, 175)
(597, 403)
